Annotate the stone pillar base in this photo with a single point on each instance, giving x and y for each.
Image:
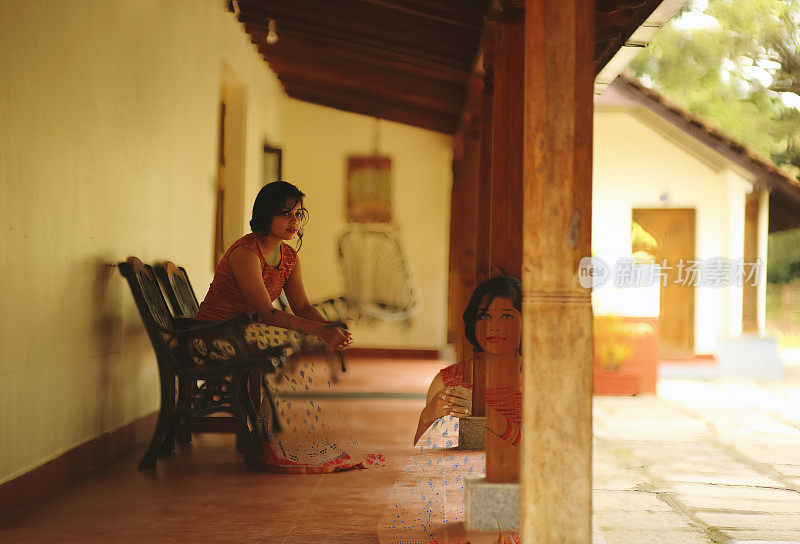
(472, 433)
(487, 503)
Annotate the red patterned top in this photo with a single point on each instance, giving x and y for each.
(225, 299)
(507, 400)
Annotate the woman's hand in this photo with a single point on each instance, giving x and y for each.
(335, 336)
(452, 401)
(442, 401)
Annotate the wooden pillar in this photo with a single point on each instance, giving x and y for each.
(505, 232)
(456, 237)
(750, 291)
(463, 217)
(556, 476)
(483, 257)
(484, 209)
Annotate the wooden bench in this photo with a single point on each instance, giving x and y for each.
(175, 281)
(220, 376)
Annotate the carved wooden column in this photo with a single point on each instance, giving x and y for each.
(483, 257)
(463, 218)
(505, 233)
(749, 290)
(484, 209)
(456, 237)
(556, 483)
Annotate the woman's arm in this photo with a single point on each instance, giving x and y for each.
(440, 401)
(298, 300)
(508, 431)
(247, 270)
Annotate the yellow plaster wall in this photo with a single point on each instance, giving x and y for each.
(108, 149)
(317, 141)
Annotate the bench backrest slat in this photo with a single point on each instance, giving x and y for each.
(150, 302)
(178, 288)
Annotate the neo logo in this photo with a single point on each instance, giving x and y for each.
(592, 272)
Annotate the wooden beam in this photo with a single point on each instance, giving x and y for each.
(505, 251)
(452, 12)
(750, 291)
(608, 6)
(636, 13)
(507, 141)
(453, 268)
(371, 105)
(483, 262)
(556, 476)
(350, 22)
(292, 53)
(422, 93)
(447, 68)
(313, 51)
(463, 217)
(484, 189)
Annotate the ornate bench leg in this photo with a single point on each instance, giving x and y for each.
(165, 420)
(168, 394)
(185, 394)
(239, 396)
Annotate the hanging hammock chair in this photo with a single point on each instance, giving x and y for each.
(377, 283)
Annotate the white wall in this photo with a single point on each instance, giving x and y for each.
(108, 149)
(317, 141)
(637, 158)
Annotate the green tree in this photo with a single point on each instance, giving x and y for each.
(783, 262)
(736, 64)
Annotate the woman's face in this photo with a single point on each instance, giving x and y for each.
(499, 328)
(286, 222)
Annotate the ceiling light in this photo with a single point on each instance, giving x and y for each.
(272, 32)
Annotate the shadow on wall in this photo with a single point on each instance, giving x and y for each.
(106, 337)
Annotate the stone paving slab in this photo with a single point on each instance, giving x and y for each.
(634, 536)
(788, 469)
(750, 520)
(772, 535)
(648, 522)
(743, 505)
(607, 500)
(703, 462)
(735, 493)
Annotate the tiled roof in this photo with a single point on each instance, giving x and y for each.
(784, 187)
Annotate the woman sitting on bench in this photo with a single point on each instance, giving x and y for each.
(248, 278)
(259, 265)
(492, 324)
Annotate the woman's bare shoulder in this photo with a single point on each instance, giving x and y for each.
(243, 254)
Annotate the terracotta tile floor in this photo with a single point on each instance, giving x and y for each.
(203, 494)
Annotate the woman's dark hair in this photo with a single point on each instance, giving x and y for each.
(275, 198)
(482, 297)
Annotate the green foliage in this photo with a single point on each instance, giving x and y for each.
(736, 64)
(783, 256)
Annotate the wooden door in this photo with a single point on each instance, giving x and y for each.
(674, 233)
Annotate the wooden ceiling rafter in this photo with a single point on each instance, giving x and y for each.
(411, 61)
(404, 91)
(379, 28)
(323, 51)
(369, 104)
(451, 12)
(610, 6)
(373, 52)
(370, 45)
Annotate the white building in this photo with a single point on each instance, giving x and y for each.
(701, 196)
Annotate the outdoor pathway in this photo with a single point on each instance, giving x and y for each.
(704, 461)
